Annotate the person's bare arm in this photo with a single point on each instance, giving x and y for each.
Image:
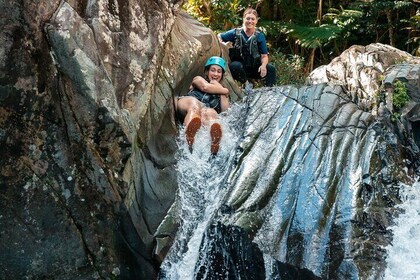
(213, 87)
(263, 67)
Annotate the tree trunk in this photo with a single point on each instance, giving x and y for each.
(390, 28)
(319, 13)
(310, 65)
(300, 3)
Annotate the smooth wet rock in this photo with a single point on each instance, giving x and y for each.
(88, 132)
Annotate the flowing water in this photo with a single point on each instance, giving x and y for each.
(204, 182)
(404, 254)
(201, 180)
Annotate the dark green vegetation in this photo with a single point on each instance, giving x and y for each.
(400, 98)
(304, 34)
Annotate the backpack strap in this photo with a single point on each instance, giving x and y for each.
(238, 39)
(238, 31)
(257, 33)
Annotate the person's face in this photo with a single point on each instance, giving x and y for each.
(250, 20)
(215, 73)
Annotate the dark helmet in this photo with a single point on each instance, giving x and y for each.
(216, 60)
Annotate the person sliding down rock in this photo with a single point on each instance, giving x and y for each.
(205, 100)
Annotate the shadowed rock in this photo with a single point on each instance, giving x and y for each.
(88, 132)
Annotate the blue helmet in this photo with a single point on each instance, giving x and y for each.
(216, 60)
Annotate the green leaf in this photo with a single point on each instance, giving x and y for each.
(312, 37)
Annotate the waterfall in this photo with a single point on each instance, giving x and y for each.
(298, 188)
(404, 253)
(201, 179)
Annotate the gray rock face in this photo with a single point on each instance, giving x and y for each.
(361, 71)
(318, 178)
(88, 132)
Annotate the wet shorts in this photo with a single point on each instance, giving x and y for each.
(209, 100)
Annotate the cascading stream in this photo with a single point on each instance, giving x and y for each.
(404, 255)
(201, 180)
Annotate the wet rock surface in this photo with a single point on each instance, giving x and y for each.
(87, 167)
(318, 178)
(88, 132)
(233, 255)
(317, 173)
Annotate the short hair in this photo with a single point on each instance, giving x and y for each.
(250, 11)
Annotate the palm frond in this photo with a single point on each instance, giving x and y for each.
(313, 37)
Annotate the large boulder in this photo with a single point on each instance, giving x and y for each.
(88, 132)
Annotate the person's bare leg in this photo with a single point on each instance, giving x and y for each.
(216, 137)
(224, 102)
(191, 129)
(211, 117)
(192, 121)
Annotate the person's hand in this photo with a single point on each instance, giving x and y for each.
(214, 82)
(262, 70)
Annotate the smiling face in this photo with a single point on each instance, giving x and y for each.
(250, 21)
(215, 72)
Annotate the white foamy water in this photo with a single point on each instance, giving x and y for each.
(403, 261)
(201, 179)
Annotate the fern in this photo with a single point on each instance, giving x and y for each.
(313, 37)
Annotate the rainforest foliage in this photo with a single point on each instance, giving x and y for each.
(309, 33)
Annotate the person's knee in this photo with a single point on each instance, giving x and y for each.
(195, 106)
(208, 115)
(237, 70)
(236, 66)
(271, 69)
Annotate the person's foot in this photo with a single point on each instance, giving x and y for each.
(216, 136)
(191, 129)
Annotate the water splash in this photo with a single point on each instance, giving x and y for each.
(201, 180)
(404, 254)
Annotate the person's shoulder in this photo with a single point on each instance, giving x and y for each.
(228, 36)
(260, 35)
(259, 32)
(233, 30)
